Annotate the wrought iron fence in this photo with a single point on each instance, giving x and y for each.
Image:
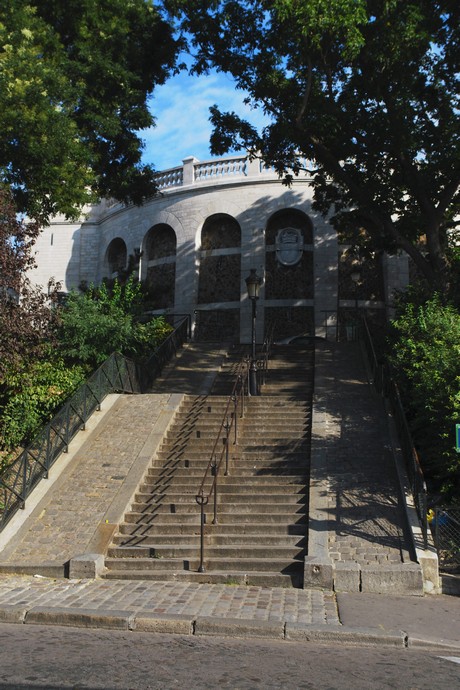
(117, 374)
(446, 533)
(387, 387)
(152, 367)
(209, 486)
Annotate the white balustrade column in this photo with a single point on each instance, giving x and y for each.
(189, 170)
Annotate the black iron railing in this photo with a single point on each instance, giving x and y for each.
(446, 532)
(387, 387)
(152, 367)
(266, 353)
(117, 374)
(209, 486)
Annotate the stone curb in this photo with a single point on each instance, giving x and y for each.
(80, 618)
(183, 624)
(239, 627)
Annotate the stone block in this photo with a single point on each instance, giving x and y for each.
(80, 618)
(167, 623)
(347, 576)
(87, 565)
(405, 578)
(318, 573)
(332, 634)
(237, 627)
(12, 613)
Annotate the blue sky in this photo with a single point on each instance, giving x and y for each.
(181, 107)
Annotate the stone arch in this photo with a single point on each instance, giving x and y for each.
(289, 217)
(289, 273)
(219, 276)
(160, 242)
(158, 273)
(220, 231)
(116, 258)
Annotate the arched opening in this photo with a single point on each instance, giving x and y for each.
(219, 277)
(289, 279)
(116, 258)
(159, 261)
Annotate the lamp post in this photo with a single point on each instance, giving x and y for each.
(253, 283)
(356, 277)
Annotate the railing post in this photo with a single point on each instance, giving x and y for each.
(202, 501)
(48, 450)
(235, 418)
(227, 435)
(188, 175)
(24, 480)
(214, 474)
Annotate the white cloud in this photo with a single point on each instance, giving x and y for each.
(181, 107)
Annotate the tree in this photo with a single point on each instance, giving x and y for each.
(366, 90)
(74, 79)
(26, 318)
(425, 355)
(100, 321)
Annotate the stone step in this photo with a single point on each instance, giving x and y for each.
(186, 517)
(190, 506)
(254, 578)
(256, 433)
(251, 530)
(240, 469)
(252, 456)
(133, 563)
(247, 484)
(265, 485)
(229, 498)
(141, 538)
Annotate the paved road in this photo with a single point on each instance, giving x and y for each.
(40, 657)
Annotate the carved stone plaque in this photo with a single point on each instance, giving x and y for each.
(289, 246)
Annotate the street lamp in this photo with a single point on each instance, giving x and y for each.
(356, 278)
(253, 283)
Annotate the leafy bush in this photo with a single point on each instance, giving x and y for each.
(92, 325)
(32, 398)
(425, 353)
(104, 320)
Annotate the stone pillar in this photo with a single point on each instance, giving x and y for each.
(396, 277)
(186, 292)
(189, 170)
(325, 271)
(253, 167)
(252, 256)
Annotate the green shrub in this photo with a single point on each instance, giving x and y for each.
(33, 396)
(425, 354)
(104, 320)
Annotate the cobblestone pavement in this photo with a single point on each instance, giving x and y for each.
(365, 515)
(67, 518)
(304, 607)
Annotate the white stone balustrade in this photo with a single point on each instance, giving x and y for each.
(194, 171)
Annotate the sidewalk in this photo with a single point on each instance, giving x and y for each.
(65, 524)
(359, 537)
(200, 609)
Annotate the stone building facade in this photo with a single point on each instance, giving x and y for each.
(195, 243)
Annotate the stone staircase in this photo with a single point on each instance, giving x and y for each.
(261, 533)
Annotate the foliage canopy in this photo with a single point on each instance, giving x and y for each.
(74, 79)
(100, 321)
(368, 91)
(425, 354)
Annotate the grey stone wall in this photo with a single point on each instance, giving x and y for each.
(199, 239)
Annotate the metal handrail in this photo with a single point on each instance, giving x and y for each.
(267, 350)
(236, 401)
(152, 367)
(116, 374)
(388, 388)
